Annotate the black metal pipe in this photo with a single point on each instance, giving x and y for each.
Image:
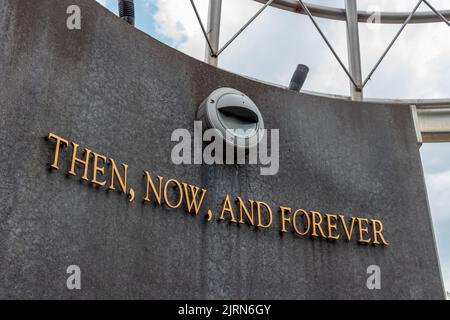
(299, 77)
(126, 11)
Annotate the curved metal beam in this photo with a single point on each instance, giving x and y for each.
(363, 16)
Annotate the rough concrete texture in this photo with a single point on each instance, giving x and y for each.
(119, 92)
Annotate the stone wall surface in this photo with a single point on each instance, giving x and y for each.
(121, 93)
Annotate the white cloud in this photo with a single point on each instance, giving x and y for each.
(417, 66)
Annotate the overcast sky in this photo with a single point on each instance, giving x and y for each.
(418, 65)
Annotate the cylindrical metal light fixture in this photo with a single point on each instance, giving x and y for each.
(299, 77)
(126, 11)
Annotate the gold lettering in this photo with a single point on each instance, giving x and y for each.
(269, 214)
(98, 169)
(283, 217)
(378, 232)
(294, 223)
(149, 183)
(195, 195)
(348, 232)
(84, 162)
(332, 226)
(115, 174)
(192, 202)
(243, 209)
(58, 140)
(227, 208)
(317, 224)
(180, 192)
(363, 230)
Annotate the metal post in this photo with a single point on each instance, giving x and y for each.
(354, 53)
(213, 31)
(298, 78)
(126, 11)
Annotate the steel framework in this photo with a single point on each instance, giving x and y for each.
(432, 119)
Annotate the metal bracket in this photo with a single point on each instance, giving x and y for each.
(392, 43)
(244, 26)
(216, 53)
(432, 123)
(357, 85)
(416, 124)
(203, 28)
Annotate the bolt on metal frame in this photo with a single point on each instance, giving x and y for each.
(212, 35)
